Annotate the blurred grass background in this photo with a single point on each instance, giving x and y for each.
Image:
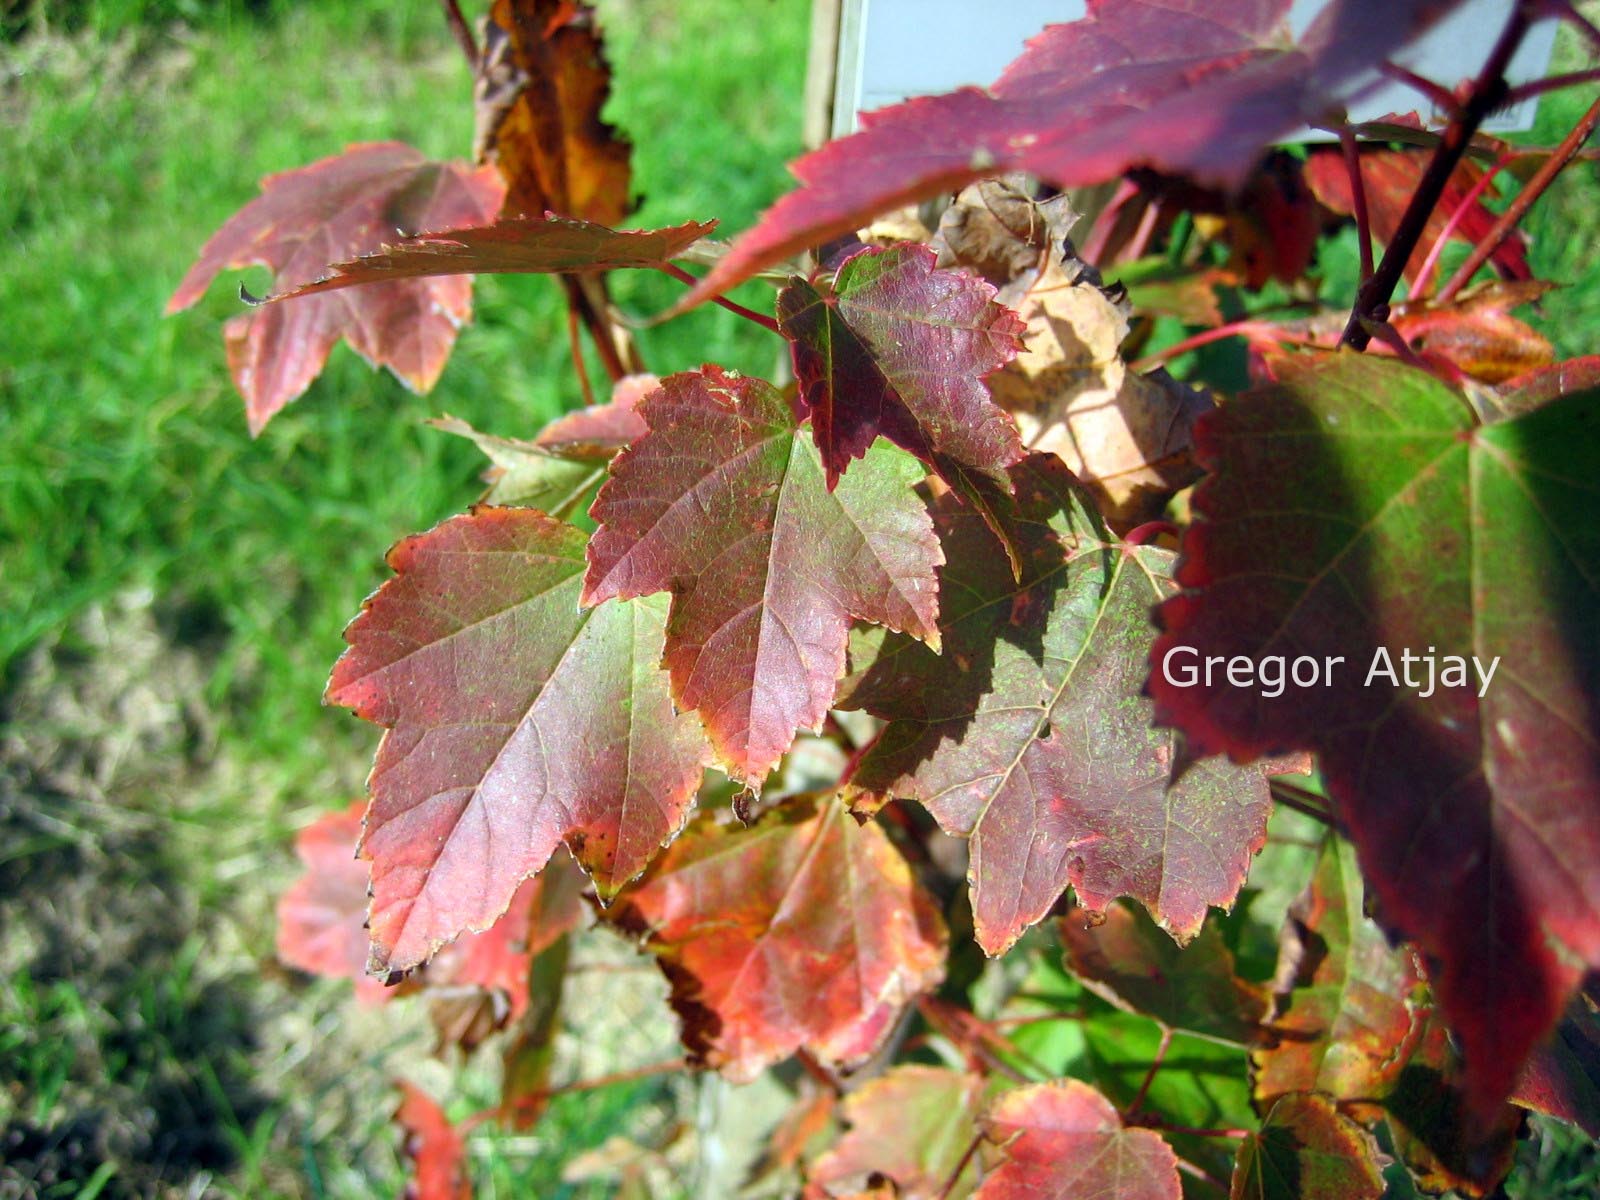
(172, 592)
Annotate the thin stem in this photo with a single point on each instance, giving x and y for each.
(955, 1176)
(1188, 1130)
(1485, 95)
(1518, 208)
(598, 324)
(748, 314)
(578, 364)
(1245, 327)
(1551, 83)
(1395, 340)
(1419, 285)
(1137, 1102)
(1140, 241)
(1306, 803)
(462, 31)
(1358, 198)
(1443, 98)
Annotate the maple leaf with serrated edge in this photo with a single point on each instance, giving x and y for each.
(1126, 960)
(333, 209)
(516, 721)
(892, 345)
(1066, 1139)
(1186, 86)
(724, 503)
(435, 1148)
(804, 930)
(1306, 1150)
(548, 245)
(1030, 737)
(913, 1125)
(1476, 817)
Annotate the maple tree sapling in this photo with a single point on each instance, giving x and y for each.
(1003, 705)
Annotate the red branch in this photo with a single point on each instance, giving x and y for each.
(462, 31)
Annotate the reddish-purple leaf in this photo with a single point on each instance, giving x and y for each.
(804, 930)
(725, 504)
(436, 1149)
(530, 245)
(1030, 735)
(1357, 511)
(1307, 1150)
(1126, 960)
(1187, 86)
(331, 210)
(1066, 1139)
(892, 346)
(516, 721)
(912, 1125)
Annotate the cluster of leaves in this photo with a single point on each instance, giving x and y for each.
(932, 552)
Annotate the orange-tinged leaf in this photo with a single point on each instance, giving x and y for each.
(1065, 1139)
(516, 721)
(435, 1148)
(724, 503)
(334, 209)
(1306, 1150)
(912, 1125)
(805, 931)
(542, 84)
(1350, 1008)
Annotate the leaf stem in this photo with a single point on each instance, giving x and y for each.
(1134, 1105)
(748, 314)
(954, 1177)
(1486, 94)
(1518, 208)
(462, 31)
(1301, 801)
(1245, 327)
(578, 364)
(1358, 198)
(1551, 83)
(1164, 1126)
